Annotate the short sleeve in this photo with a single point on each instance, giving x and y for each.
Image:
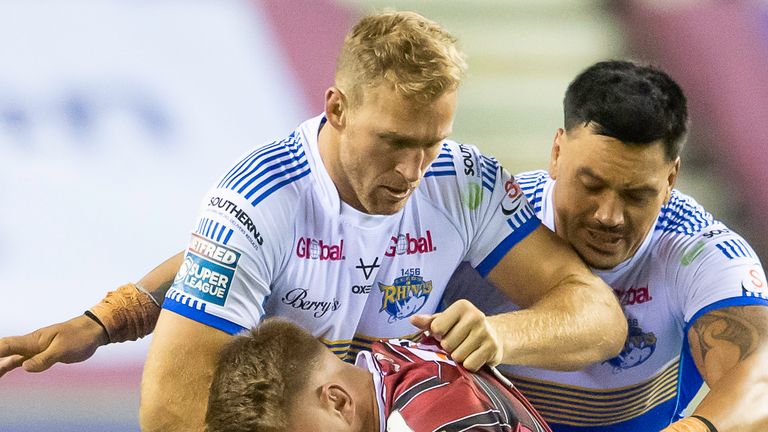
(502, 218)
(229, 264)
(717, 268)
(466, 283)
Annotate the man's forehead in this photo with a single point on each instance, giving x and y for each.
(586, 133)
(406, 125)
(411, 138)
(599, 152)
(387, 94)
(623, 179)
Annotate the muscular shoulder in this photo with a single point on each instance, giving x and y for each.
(704, 259)
(258, 194)
(683, 216)
(532, 184)
(685, 230)
(460, 176)
(278, 170)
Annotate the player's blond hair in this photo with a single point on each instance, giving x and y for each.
(415, 56)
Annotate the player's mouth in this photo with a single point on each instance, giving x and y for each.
(396, 194)
(607, 243)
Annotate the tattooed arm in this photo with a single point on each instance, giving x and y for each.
(730, 349)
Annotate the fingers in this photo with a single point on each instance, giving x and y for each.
(455, 337)
(26, 345)
(422, 322)
(485, 354)
(465, 347)
(460, 317)
(476, 350)
(40, 362)
(464, 332)
(57, 349)
(23, 351)
(10, 363)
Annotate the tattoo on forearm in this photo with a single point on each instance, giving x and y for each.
(735, 325)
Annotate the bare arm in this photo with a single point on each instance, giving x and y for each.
(572, 318)
(161, 277)
(730, 349)
(77, 339)
(178, 373)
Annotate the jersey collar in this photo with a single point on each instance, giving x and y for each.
(324, 186)
(365, 360)
(326, 189)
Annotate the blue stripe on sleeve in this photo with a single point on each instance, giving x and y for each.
(229, 234)
(506, 245)
(202, 317)
(724, 250)
(246, 165)
(733, 301)
(442, 164)
(269, 191)
(439, 173)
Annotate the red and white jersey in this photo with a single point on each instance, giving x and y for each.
(420, 389)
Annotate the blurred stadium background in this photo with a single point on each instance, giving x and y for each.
(116, 115)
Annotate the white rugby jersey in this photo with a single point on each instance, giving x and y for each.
(273, 238)
(689, 264)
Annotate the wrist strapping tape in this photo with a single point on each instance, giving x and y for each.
(691, 424)
(127, 313)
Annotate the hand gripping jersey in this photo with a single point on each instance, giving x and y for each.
(689, 264)
(420, 389)
(273, 239)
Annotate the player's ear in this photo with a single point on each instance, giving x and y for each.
(555, 154)
(674, 169)
(335, 107)
(339, 402)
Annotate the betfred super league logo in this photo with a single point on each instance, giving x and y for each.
(406, 295)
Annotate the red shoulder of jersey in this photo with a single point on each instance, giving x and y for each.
(431, 392)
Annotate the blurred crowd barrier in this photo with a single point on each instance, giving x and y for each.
(718, 51)
(115, 118)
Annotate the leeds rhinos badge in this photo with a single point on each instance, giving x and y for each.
(405, 296)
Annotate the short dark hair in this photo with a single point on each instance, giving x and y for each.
(258, 376)
(634, 103)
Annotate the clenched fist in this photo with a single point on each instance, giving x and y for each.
(465, 332)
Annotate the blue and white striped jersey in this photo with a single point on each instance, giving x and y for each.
(689, 264)
(273, 238)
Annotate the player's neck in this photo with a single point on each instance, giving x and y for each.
(368, 413)
(328, 148)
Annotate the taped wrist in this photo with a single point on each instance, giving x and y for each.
(710, 426)
(690, 424)
(127, 314)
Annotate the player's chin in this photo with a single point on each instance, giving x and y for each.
(388, 209)
(387, 205)
(599, 259)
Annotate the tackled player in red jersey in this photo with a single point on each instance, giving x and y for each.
(280, 378)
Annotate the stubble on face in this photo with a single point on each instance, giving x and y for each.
(386, 146)
(608, 194)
